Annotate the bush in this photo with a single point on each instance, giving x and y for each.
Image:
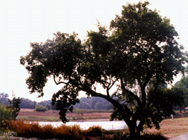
(39, 107)
(93, 131)
(29, 130)
(5, 114)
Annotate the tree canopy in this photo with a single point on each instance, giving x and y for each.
(137, 54)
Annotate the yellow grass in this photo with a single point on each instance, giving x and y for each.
(171, 127)
(31, 129)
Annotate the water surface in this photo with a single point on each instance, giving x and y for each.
(107, 125)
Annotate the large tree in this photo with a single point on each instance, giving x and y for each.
(130, 61)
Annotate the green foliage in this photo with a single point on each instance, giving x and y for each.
(138, 53)
(15, 106)
(160, 105)
(183, 85)
(5, 114)
(39, 107)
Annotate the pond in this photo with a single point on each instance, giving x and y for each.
(105, 124)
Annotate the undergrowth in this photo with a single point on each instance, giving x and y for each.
(30, 129)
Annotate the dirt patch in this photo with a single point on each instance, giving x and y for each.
(170, 127)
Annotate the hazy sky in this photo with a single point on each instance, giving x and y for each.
(25, 21)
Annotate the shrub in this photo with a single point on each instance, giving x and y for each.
(5, 114)
(69, 132)
(39, 107)
(149, 134)
(93, 131)
(29, 129)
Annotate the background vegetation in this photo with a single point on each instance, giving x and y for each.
(5, 114)
(92, 103)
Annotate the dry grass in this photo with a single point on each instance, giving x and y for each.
(170, 127)
(174, 127)
(28, 130)
(31, 129)
(53, 115)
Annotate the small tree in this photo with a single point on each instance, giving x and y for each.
(138, 54)
(15, 106)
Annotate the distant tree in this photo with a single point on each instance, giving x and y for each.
(26, 103)
(4, 99)
(91, 103)
(48, 107)
(183, 85)
(138, 54)
(48, 104)
(98, 106)
(84, 105)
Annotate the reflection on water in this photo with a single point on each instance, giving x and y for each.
(107, 125)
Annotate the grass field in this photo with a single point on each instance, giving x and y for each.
(52, 115)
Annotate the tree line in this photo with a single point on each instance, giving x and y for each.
(93, 103)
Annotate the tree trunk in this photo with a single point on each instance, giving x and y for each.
(123, 110)
(133, 130)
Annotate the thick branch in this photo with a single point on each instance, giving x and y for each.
(140, 107)
(143, 86)
(124, 111)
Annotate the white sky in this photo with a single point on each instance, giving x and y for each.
(25, 21)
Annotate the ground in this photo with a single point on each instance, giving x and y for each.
(169, 127)
(52, 115)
